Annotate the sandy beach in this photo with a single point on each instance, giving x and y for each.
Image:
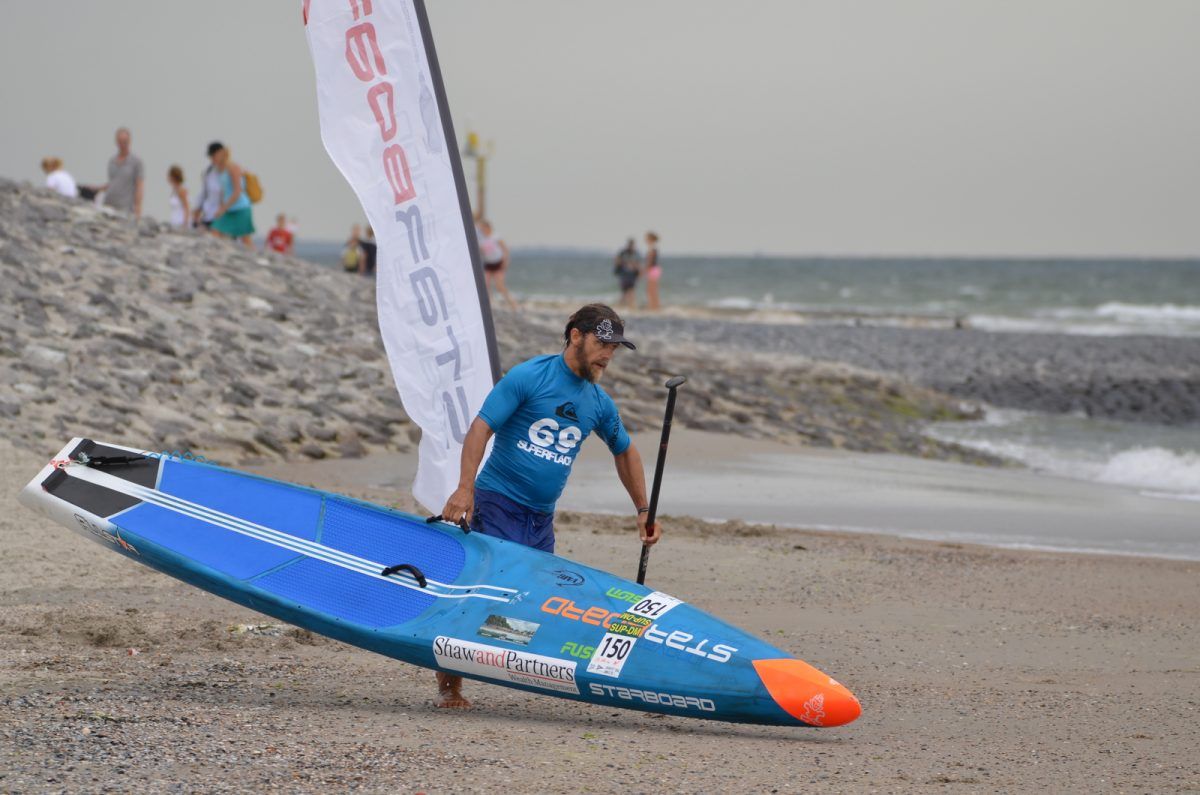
(980, 670)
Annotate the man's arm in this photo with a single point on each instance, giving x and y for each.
(633, 478)
(462, 501)
(138, 192)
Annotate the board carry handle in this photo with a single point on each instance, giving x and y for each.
(83, 455)
(411, 569)
(461, 523)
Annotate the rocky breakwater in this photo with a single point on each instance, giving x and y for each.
(1127, 378)
(174, 340)
(141, 334)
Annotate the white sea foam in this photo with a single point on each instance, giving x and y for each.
(1157, 471)
(1154, 313)
(1154, 468)
(1108, 319)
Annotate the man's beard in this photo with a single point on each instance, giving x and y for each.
(589, 373)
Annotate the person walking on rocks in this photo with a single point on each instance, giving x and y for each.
(209, 200)
(57, 178)
(234, 217)
(494, 253)
(627, 267)
(126, 179)
(541, 412)
(653, 271)
(178, 198)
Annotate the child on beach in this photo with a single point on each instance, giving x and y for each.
(280, 239)
(58, 179)
(178, 198)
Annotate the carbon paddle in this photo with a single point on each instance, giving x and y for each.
(671, 385)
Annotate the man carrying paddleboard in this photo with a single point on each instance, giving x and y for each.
(540, 412)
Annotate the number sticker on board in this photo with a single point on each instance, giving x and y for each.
(655, 605)
(611, 655)
(613, 650)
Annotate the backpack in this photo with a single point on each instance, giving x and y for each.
(254, 191)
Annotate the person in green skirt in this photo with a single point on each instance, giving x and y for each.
(234, 217)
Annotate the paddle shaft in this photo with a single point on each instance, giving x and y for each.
(672, 385)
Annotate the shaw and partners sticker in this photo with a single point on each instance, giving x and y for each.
(613, 650)
(493, 662)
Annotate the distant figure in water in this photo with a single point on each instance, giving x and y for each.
(234, 218)
(58, 179)
(494, 252)
(280, 239)
(178, 198)
(653, 271)
(627, 267)
(351, 253)
(368, 247)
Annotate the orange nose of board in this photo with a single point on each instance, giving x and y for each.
(807, 694)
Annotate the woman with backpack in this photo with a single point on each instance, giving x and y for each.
(234, 217)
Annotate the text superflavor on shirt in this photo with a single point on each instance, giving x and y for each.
(541, 412)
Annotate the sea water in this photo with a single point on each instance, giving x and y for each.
(1074, 296)
(1071, 296)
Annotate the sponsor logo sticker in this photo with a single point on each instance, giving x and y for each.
(653, 697)
(493, 662)
(580, 650)
(510, 630)
(567, 577)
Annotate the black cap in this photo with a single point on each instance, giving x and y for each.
(600, 320)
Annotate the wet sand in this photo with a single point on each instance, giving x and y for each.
(979, 669)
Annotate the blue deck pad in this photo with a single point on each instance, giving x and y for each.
(230, 553)
(344, 594)
(391, 539)
(282, 507)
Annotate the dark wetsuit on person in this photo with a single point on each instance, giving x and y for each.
(369, 248)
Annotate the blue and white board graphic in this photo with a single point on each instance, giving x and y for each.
(456, 602)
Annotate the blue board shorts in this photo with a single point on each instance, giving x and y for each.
(497, 516)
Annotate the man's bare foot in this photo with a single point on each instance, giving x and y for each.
(450, 692)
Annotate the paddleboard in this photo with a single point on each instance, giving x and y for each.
(428, 593)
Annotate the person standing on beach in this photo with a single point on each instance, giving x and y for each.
(494, 253)
(57, 179)
(351, 253)
(627, 268)
(368, 248)
(280, 239)
(209, 200)
(234, 218)
(126, 183)
(178, 198)
(541, 412)
(653, 271)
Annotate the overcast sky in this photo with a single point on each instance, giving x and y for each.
(916, 127)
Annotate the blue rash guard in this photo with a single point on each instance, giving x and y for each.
(541, 412)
